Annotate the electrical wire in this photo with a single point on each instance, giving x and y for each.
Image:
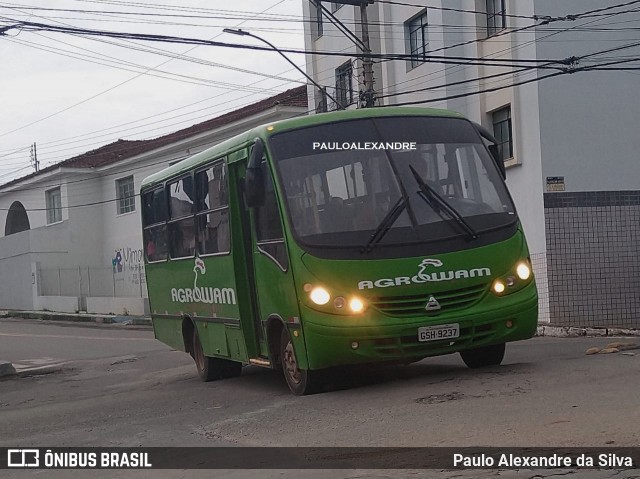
(35, 26)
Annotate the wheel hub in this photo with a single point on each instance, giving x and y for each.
(290, 364)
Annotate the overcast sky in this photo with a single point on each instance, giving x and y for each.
(72, 94)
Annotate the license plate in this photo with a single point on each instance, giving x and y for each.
(434, 333)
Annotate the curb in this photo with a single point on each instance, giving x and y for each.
(79, 318)
(11, 373)
(6, 369)
(573, 332)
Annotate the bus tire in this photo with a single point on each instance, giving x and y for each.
(300, 381)
(484, 356)
(212, 369)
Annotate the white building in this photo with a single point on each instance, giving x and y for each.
(570, 143)
(71, 236)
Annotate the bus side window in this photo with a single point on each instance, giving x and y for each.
(154, 216)
(268, 227)
(182, 234)
(213, 210)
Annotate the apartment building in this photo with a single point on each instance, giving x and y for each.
(569, 142)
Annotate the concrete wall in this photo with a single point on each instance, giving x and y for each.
(72, 259)
(61, 304)
(32, 196)
(589, 120)
(117, 306)
(15, 272)
(587, 137)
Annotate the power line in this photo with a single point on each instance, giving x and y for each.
(563, 30)
(34, 26)
(113, 62)
(168, 111)
(114, 87)
(446, 9)
(126, 170)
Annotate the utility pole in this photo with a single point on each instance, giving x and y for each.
(34, 157)
(367, 96)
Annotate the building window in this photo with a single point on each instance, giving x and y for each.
(125, 195)
(335, 6)
(496, 16)
(344, 85)
(54, 206)
(416, 31)
(316, 15)
(501, 120)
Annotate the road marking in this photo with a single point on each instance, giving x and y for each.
(62, 336)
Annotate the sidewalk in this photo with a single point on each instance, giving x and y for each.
(78, 317)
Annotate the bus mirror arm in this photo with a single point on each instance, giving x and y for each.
(254, 178)
(493, 148)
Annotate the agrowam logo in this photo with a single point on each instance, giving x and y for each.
(424, 276)
(202, 294)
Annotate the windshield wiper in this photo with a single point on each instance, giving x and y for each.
(385, 225)
(436, 201)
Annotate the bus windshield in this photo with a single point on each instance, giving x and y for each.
(389, 181)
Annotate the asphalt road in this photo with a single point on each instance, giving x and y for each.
(120, 387)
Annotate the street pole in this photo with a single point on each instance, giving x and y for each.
(245, 33)
(34, 157)
(367, 97)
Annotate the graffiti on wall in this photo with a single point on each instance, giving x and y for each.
(128, 263)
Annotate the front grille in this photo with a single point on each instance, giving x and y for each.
(406, 346)
(452, 300)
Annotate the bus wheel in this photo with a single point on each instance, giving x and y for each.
(485, 356)
(212, 369)
(300, 381)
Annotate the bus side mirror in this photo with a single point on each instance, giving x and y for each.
(493, 148)
(254, 178)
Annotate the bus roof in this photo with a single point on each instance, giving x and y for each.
(263, 131)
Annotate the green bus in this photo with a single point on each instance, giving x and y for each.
(344, 238)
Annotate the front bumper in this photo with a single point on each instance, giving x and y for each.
(331, 345)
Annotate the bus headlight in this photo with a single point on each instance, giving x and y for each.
(498, 287)
(514, 280)
(356, 305)
(523, 271)
(330, 301)
(319, 295)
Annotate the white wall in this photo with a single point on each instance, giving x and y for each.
(590, 120)
(32, 196)
(15, 272)
(92, 231)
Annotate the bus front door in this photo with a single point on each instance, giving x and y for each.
(272, 285)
